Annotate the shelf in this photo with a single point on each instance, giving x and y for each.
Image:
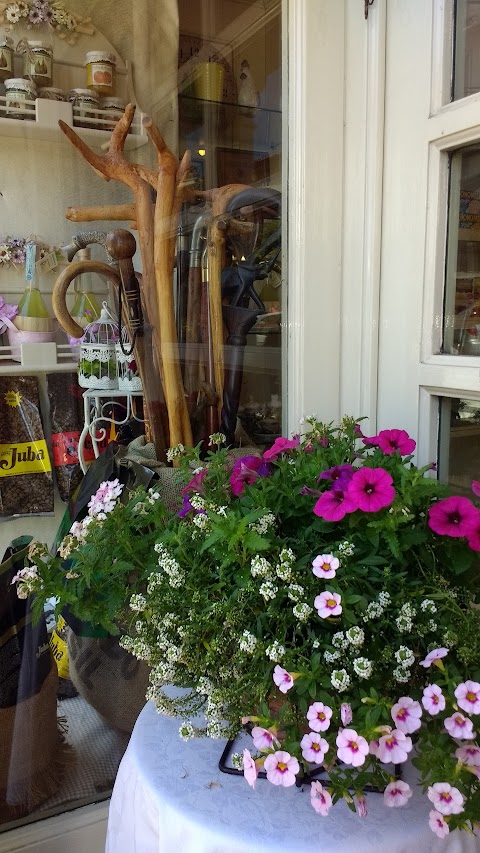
(38, 358)
(38, 120)
(229, 105)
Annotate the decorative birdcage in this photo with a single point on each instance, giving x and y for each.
(127, 371)
(98, 363)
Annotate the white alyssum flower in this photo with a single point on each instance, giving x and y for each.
(374, 611)
(339, 640)
(201, 521)
(287, 556)
(316, 644)
(331, 657)
(260, 567)
(346, 548)
(237, 761)
(284, 572)
(276, 652)
(186, 731)
(302, 611)
(431, 625)
(384, 599)
(428, 606)
(295, 592)
(197, 501)
(404, 624)
(404, 656)
(204, 686)
(141, 650)
(264, 524)
(153, 497)
(268, 590)
(340, 679)
(247, 642)
(401, 675)
(363, 667)
(216, 439)
(215, 730)
(175, 452)
(138, 602)
(408, 610)
(355, 636)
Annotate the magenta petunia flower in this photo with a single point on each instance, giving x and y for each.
(328, 604)
(406, 715)
(446, 799)
(320, 799)
(473, 533)
(318, 716)
(438, 824)
(453, 516)
(469, 755)
(394, 747)
(340, 475)
(371, 489)
(245, 471)
(196, 483)
(352, 747)
(263, 738)
(249, 768)
(459, 727)
(325, 566)
(467, 695)
(395, 441)
(279, 446)
(281, 768)
(282, 679)
(434, 656)
(334, 505)
(314, 748)
(397, 794)
(433, 699)
(476, 488)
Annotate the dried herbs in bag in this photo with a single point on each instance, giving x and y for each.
(26, 483)
(66, 420)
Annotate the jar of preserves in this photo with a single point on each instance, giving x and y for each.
(51, 94)
(101, 71)
(113, 109)
(17, 92)
(37, 63)
(85, 105)
(6, 57)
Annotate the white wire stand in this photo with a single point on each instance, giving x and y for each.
(94, 406)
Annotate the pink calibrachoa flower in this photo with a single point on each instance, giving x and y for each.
(459, 727)
(334, 505)
(467, 695)
(282, 679)
(452, 516)
(438, 824)
(249, 768)
(397, 794)
(318, 716)
(325, 566)
(395, 441)
(469, 755)
(280, 445)
(433, 699)
(373, 747)
(406, 715)
(328, 604)
(445, 799)
(281, 768)
(433, 657)
(371, 489)
(394, 747)
(346, 713)
(320, 799)
(314, 748)
(473, 533)
(361, 805)
(245, 471)
(340, 475)
(352, 747)
(263, 738)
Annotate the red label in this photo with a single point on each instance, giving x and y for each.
(65, 448)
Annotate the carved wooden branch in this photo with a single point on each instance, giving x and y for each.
(114, 212)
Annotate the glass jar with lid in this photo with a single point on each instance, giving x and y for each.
(85, 105)
(17, 92)
(49, 93)
(6, 57)
(37, 63)
(113, 109)
(101, 67)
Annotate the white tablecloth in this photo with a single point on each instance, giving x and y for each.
(170, 797)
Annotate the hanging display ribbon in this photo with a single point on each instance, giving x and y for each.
(30, 254)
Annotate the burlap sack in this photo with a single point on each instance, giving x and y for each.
(110, 679)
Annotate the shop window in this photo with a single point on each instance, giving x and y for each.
(459, 446)
(466, 78)
(208, 74)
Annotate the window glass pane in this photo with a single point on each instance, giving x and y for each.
(196, 178)
(467, 49)
(459, 457)
(462, 294)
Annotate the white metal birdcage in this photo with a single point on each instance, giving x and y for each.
(98, 362)
(127, 371)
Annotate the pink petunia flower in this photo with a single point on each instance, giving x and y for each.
(279, 446)
(361, 805)
(394, 747)
(282, 679)
(334, 505)
(406, 715)
(433, 699)
(318, 716)
(469, 755)
(346, 713)
(467, 695)
(340, 475)
(325, 566)
(395, 441)
(314, 748)
(438, 824)
(473, 533)
(320, 799)
(476, 488)
(397, 794)
(433, 656)
(328, 604)
(459, 727)
(249, 768)
(281, 768)
(445, 799)
(352, 747)
(452, 516)
(371, 489)
(245, 471)
(263, 738)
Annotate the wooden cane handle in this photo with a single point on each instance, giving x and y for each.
(62, 284)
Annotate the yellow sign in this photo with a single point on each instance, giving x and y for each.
(13, 399)
(30, 457)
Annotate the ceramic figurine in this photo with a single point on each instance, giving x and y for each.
(247, 91)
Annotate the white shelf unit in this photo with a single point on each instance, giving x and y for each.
(39, 358)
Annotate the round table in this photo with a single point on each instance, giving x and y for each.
(170, 797)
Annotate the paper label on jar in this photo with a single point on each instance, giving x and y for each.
(16, 99)
(39, 66)
(6, 57)
(29, 457)
(100, 74)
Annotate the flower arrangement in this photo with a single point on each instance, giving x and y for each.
(13, 251)
(51, 13)
(324, 594)
(7, 314)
